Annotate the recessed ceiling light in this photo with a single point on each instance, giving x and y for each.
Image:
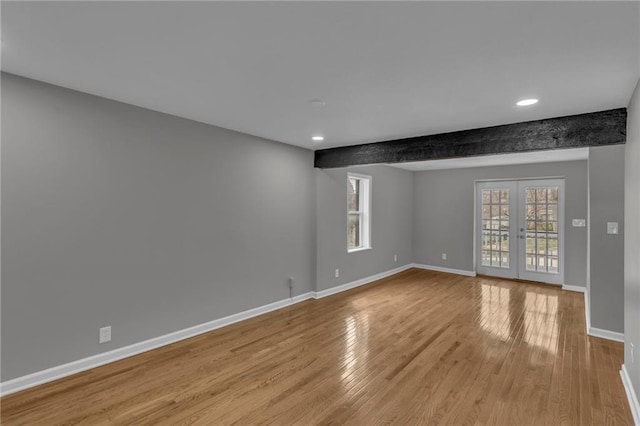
(527, 102)
(317, 103)
(318, 138)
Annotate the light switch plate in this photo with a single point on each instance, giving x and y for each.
(579, 223)
(612, 228)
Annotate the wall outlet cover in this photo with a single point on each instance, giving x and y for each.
(105, 334)
(579, 223)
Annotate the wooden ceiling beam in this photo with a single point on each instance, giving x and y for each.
(573, 131)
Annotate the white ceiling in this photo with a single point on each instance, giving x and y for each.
(498, 160)
(386, 70)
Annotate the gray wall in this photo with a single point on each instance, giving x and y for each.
(391, 221)
(117, 215)
(606, 204)
(444, 210)
(632, 241)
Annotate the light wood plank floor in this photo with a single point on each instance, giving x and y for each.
(417, 348)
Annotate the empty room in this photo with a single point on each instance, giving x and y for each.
(320, 212)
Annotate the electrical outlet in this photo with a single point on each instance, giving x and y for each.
(337, 273)
(444, 256)
(105, 334)
(395, 257)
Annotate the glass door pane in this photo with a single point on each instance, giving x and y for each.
(496, 226)
(540, 219)
(518, 229)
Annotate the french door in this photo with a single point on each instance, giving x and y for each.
(519, 227)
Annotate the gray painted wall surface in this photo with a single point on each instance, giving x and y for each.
(392, 209)
(606, 204)
(632, 241)
(117, 215)
(444, 213)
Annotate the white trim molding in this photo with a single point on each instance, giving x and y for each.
(605, 334)
(631, 395)
(587, 310)
(594, 331)
(360, 282)
(64, 370)
(443, 269)
(575, 288)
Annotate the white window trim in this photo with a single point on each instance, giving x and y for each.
(365, 214)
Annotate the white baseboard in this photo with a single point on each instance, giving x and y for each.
(587, 311)
(64, 370)
(443, 269)
(576, 288)
(631, 395)
(594, 331)
(605, 334)
(360, 282)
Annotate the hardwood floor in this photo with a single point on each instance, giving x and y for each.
(420, 347)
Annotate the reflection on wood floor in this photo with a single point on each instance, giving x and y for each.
(419, 347)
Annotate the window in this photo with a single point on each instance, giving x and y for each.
(359, 212)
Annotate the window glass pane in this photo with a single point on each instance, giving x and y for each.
(353, 195)
(542, 263)
(495, 212)
(541, 248)
(486, 242)
(552, 212)
(531, 195)
(486, 196)
(505, 259)
(553, 194)
(486, 258)
(486, 212)
(553, 264)
(486, 224)
(541, 195)
(504, 196)
(354, 230)
(531, 211)
(358, 210)
(531, 242)
(552, 244)
(530, 263)
(495, 241)
(495, 196)
(504, 246)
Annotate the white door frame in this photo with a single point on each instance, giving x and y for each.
(557, 279)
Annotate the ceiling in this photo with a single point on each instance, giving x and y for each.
(385, 70)
(550, 156)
